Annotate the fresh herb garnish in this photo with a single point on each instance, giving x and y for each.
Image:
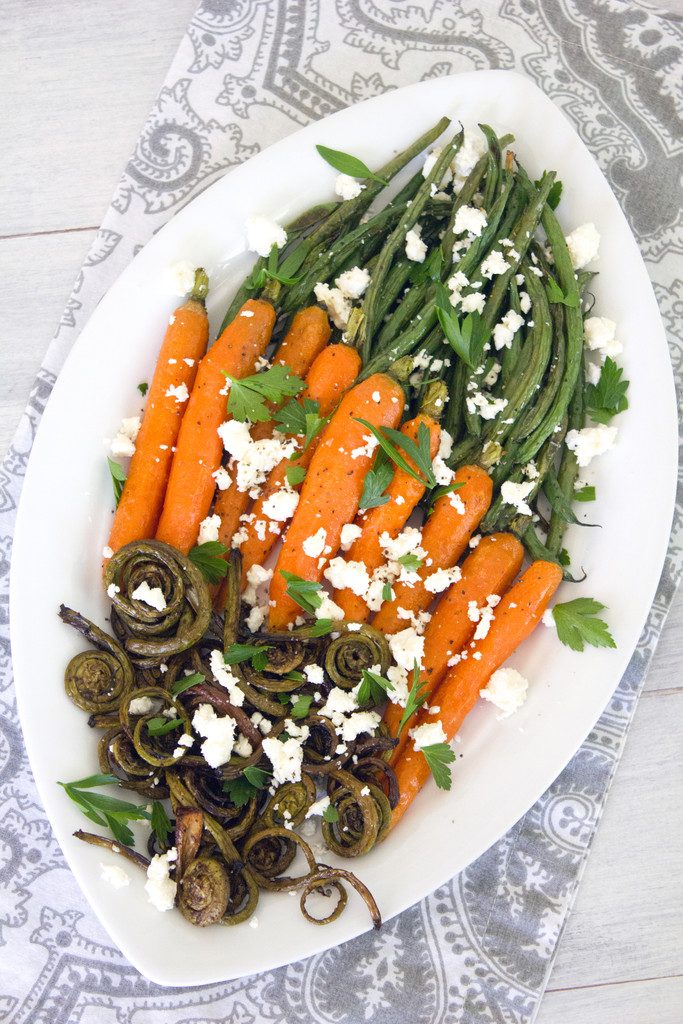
(248, 396)
(554, 195)
(376, 482)
(438, 756)
(416, 699)
(306, 593)
(391, 441)
(387, 592)
(320, 628)
(466, 337)
(430, 270)
(161, 826)
(208, 558)
(331, 814)
(118, 479)
(578, 624)
(295, 475)
(411, 561)
(347, 164)
(257, 654)
(105, 810)
(301, 706)
(563, 558)
(555, 294)
(294, 676)
(586, 493)
(608, 397)
(143, 387)
(160, 725)
(441, 492)
(301, 418)
(247, 785)
(373, 688)
(260, 275)
(185, 682)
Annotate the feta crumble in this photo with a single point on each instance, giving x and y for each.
(218, 732)
(179, 392)
(208, 529)
(583, 244)
(428, 734)
(468, 218)
(349, 533)
(263, 234)
(160, 887)
(348, 575)
(507, 690)
(281, 505)
(590, 441)
(599, 334)
(114, 875)
(123, 444)
(153, 596)
(335, 302)
(314, 545)
(416, 249)
(222, 478)
(353, 283)
(347, 187)
(516, 494)
(286, 758)
(178, 278)
(495, 263)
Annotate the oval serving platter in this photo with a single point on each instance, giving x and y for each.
(66, 507)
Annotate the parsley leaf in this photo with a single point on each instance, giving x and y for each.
(161, 725)
(391, 441)
(302, 419)
(578, 624)
(118, 479)
(416, 699)
(143, 387)
(248, 396)
(105, 810)
(258, 777)
(208, 559)
(319, 628)
(608, 397)
(306, 593)
(257, 654)
(347, 164)
(585, 494)
(301, 706)
(441, 492)
(376, 482)
(295, 475)
(161, 826)
(563, 557)
(430, 270)
(554, 195)
(240, 790)
(410, 561)
(373, 688)
(331, 814)
(466, 337)
(555, 294)
(185, 682)
(438, 756)
(387, 592)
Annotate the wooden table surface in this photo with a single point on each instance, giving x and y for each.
(78, 81)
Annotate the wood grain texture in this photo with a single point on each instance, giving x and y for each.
(85, 77)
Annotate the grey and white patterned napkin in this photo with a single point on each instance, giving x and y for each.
(247, 73)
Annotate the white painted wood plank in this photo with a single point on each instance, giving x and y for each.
(643, 1002)
(627, 922)
(77, 81)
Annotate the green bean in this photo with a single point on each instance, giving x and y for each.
(569, 467)
(452, 421)
(492, 182)
(510, 356)
(536, 413)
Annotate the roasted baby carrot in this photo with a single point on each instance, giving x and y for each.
(517, 615)
(191, 484)
(404, 493)
(444, 538)
(333, 372)
(183, 346)
(489, 569)
(333, 486)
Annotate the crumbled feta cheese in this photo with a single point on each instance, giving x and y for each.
(441, 580)
(495, 263)
(524, 301)
(416, 249)
(208, 529)
(123, 444)
(507, 689)
(160, 887)
(408, 540)
(179, 392)
(428, 734)
(457, 503)
(256, 617)
(113, 590)
(468, 218)
(314, 674)
(590, 441)
(515, 494)
(492, 376)
(218, 732)
(593, 372)
(366, 450)
(376, 397)
(235, 437)
(599, 334)
(224, 676)
(314, 545)
(352, 283)
(153, 596)
(178, 278)
(504, 332)
(243, 747)
(286, 758)
(319, 807)
(281, 505)
(114, 875)
(329, 609)
(548, 619)
(348, 575)
(407, 647)
(347, 187)
(584, 245)
(445, 444)
(487, 406)
(359, 722)
(222, 478)
(475, 541)
(263, 234)
(473, 146)
(335, 302)
(349, 533)
(141, 706)
(107, 552)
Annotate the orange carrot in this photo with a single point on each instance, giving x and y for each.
(444, 538)
(183, 346)
(489, 569)
(333, 372)
(191, 484)
(516, 617)
(333, 486)
(388, 518)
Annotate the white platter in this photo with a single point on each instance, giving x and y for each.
(66, 503)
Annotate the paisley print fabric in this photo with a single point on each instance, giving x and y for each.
(247, 72)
